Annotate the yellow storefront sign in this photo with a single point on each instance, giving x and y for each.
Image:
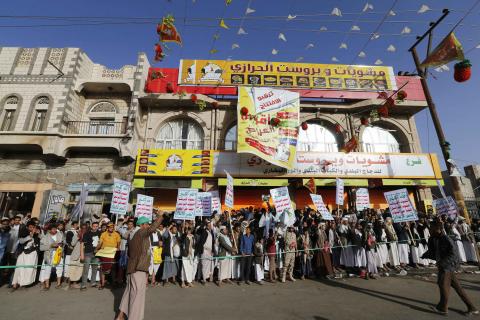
(256, 182)
(411, 182)
(332, 182)
(174, 163)
(286, 74)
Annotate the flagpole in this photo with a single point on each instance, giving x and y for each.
(436, 120)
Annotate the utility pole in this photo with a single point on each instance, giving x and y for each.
(433, 113)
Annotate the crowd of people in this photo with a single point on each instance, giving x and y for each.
(244, 246)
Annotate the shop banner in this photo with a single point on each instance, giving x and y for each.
(216, 203)
(186, 204)
(272, 134)
(203, 204)
(144, 207)
(400, 206)
(120, 196)
(286, 74)
(174, 163)
(229, 191)
(283, 205)
(362, 199)
(446, 206)
(340, 192)
(331, 165)
(321, 208)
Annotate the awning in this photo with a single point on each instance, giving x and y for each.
(412, 182)
(333, 183)
(255, 182)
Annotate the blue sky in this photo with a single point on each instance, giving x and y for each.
(117, 44)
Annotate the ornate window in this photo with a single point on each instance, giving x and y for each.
(40, 113)
(180, 134)
(103, 107)
(230, 142)
(56, 56)
(26, 56)
(317, 138)
(8, 115)
(376, 139)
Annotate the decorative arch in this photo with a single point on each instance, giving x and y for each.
(45, 99)
(103, 107)
(395, 129)
(10, 99)
(180, 132)
(230, 137)
(328, 123)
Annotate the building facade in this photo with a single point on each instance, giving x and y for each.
(65, 120)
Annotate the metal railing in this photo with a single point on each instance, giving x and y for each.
(381, 147)
(317, 146)
(96, 127)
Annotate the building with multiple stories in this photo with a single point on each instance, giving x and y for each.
(65, 120)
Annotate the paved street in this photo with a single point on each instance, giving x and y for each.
(395, 298)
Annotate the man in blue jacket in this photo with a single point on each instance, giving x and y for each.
(247, 243)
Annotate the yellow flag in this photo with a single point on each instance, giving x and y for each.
(448, 49)
(223, 25)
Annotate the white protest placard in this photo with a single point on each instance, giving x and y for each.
(400, 206)
(362, 199)
(229, 191)
(186, 204)
(446, 206)
(340, 190)
(144, 206)
(121, 193)
(216, 203)
(318, 203)
(283, 205)
(203, 204)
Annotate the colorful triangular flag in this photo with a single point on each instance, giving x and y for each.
(249, 10)
(311, 186)
(367, 7)
(447, 50)
(406, 30)
(274, 51)
(391, 48)
(291, 17)
(235, 46)
(355, 28)
(424, 8)
(336, 12)
(309, 46)
(223, 24)
(334, 59)
(241, 31)
(362, 54)
(343, 45)
(281, 36)
(378, 62)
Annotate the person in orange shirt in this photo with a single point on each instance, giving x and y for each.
(108, 239)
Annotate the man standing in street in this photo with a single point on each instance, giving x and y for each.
(442, 249)
(87, 255)
(291, 249)
(247, 244)
(133, 300)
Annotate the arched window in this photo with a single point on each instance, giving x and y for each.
(376, 139)
(102, 118)
(317, 138)
(180, 134)
(40, 113)
(103, 107)
(231, 138)
(8, 114)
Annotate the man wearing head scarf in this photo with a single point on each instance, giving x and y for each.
(133, 300)
(392, 243)
(207, 239)
(443, 250)
(225, 251)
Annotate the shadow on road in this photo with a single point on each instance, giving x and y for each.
(385, 296)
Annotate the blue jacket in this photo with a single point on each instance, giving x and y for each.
(247, 244)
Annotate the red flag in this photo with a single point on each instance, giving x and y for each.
(448, 49)
(350, 145)
(168, 32)
(311, 186)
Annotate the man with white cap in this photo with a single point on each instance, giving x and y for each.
(225, 251)
(133, 300)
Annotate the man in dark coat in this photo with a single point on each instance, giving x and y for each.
(442, 249)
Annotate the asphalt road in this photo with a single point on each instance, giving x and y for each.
(386, 298)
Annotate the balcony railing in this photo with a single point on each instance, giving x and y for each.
(99, 127)
(381, 147)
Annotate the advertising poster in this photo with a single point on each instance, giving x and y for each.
(362, 199)
(321, 208)
(401, 207)
(283, 205)
(286, 74)
(174, 163)
(340, 191)
(270, 127)
(120, 196)
(186, 204)
(144, 206)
